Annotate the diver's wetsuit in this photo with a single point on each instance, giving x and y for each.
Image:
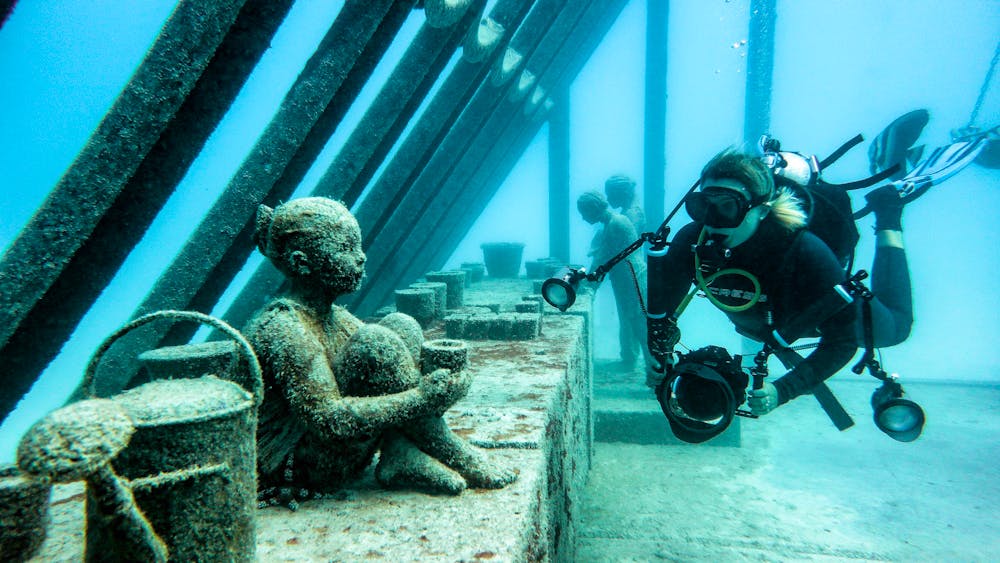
(796, 269)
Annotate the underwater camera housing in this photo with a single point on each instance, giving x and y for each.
(702, 392)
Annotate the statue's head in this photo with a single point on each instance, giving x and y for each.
(314, 241)
(592, 206)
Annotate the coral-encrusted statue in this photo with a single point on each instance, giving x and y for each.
(337, 389)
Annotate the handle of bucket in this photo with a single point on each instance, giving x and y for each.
(95, 360)
(180, 476)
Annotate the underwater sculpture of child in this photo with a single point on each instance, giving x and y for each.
(338, 389)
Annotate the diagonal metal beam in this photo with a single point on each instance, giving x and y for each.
(64, 257)
(494, 134)
(397, 182)
(469, 194)
(378, 130)
(354, 43)
(387, 217)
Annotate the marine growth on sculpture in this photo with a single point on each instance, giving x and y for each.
(337, 390)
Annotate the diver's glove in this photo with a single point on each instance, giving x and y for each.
(657, 370)
(764, 400)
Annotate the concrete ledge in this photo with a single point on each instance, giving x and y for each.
(529, 404)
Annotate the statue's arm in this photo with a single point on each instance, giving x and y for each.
(302, 373)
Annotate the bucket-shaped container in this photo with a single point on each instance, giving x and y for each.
(455, 280)
(24, 514)
(447, 353)
(440, 290)
(418, 303)
(474, 272)
(503, 259)
(541, 268)
(191, 463)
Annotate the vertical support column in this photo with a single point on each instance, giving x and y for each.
(760, 69)
(655, 131)
(760, 75)
(559, 177)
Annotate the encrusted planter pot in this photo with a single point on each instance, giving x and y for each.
(418, 303)
(542, 268)
(503, 259)
(474, 272)
(440, 290)
(447, 353)
(455, 281)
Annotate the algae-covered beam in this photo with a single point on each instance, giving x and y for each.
(388, 115)
(224, 226)
(385, 120)
(45, 261)
(487, 179)
(52, 319)
(124, 137)
(387, 221)
(451, 101)
(760, 69)
(524, 96)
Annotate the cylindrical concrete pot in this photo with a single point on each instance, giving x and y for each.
(503, 259)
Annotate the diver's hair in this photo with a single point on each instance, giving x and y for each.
(594, 199)
(743, 167)
(787, 210)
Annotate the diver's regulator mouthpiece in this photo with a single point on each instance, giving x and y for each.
(712, 253)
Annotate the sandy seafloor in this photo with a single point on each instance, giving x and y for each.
(799, 490)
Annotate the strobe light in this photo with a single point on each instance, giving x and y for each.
(560, 290)
(901, 419)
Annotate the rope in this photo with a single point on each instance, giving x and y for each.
(985, 87)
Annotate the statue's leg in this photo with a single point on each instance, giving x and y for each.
(402, 466)
(432, 435)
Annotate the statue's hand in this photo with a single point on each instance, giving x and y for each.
(443, 388)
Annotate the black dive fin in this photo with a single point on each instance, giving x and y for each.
(891, 145)
(943, 163)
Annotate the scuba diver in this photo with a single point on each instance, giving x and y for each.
(750, 235)
(771, 245)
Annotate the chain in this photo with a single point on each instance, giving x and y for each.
(985, 87)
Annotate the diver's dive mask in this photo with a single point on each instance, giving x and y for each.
(718, 207)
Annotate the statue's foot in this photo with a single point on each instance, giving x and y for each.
(480, 472)
(432, 435)
(402, 466)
